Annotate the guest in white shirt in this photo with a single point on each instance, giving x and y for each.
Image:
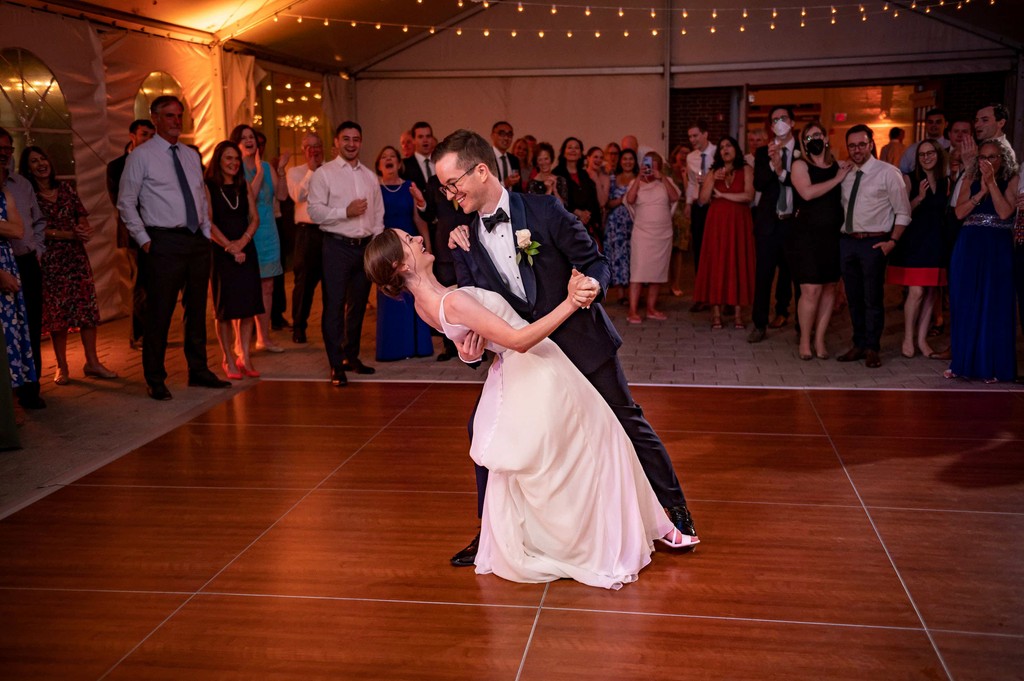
(507, 164)
(698, 162)
(877, 211)
(345, 200)
(309, 240)
(162, 201)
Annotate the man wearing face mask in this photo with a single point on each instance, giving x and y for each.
(772, 219)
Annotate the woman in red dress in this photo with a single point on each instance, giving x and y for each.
(726, 274)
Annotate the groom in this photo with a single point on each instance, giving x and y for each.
(486, 257)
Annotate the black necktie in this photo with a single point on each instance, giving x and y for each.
(848, 227)
(782, 203)
(492, 221)
(426, 169)
(504, 167)
(191, 215)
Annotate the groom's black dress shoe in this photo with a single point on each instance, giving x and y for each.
(356, 367)
(681, 518)
(467, 556)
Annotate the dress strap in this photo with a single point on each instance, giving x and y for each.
(440, 312)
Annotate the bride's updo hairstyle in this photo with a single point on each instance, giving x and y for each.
(381, 261)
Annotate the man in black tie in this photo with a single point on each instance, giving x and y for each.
(772, 219)
(698, 162)
(418, 167)
(507, 164)
(163, 204)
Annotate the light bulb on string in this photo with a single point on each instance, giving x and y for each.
(514, 33)
(554, 9)
(714, 14)
(654, 32)
(326, 22)
(287, 86)
(744, 12)
(743, 28)
(377, 26)
(775, 13)
(458, 31)
(597, 34)
(275, 18)
(863, 17)
(685, 14)
(353, 24)
(803, 23)
(682, 32)
(486, 4)
(431, 30)
(405, 29)
(568, 34)
(803, 11)
(833, 9)
(625, 34)
(654, 14)
(895, 14)
(487, 32)
(885, 7)
(520, 7)
(713, 29)
(772, 26)
(587, 11)
(540, 34)
(621, 13)
(833, 21)
(300, 20)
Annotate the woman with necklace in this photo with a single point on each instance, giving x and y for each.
(69, 293)
(812, 245)
(400, 332)
(237, 291)
(266, 187)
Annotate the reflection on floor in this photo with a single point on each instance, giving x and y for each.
(290, 533)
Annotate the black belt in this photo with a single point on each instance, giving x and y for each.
(349, 241)
(307, 224)
(180, 230)
(866, 235)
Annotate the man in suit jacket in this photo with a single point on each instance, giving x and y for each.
(138, 132)
(418, 167)
(506, 165)
(772, 219)
(485, 258)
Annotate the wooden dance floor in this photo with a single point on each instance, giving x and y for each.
(303, 532)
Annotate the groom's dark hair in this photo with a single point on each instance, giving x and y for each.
(469, 147)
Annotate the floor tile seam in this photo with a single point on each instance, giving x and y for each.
(771, 503)
(241, 553)
(733, 618)
(222, 488)
(885, 547)
(1010, 514)
(533, 631)
(362, 599)
(988, 634)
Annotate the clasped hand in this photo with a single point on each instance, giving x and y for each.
(582, 290)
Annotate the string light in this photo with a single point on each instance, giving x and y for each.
(568, 34)
(458, 31)
(353, 24)
(300, 20)
(520, 7)
(377, 26)
(744, 12)
(621, 13)
(486, 4)
(431, 30)
(514, 33)
(554, 9)
(275, 18)
(287, 86)
(597, 34)
(713, 29)
(625, 34)
(684, 13)
(803, 23)
(587, 11)
(269, 87)
(654, 32)
(405, 29)
(682, 32)
(775, 13)
(654, 14)
(803, 11)
(714, 14)
(326, 22)
(772, 26)
(540, 34)
(487, 32)
(742, 28)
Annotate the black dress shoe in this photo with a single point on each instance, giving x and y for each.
(681, 518)
(32, 402)
(338, 378)
(299, 336)
(357, 367)
(851, 355)
(467, 556)
(280, 323)
(158, 391)
(871, 359)
(444, 357)
(207, 380)
(756, 335)
(699, 307)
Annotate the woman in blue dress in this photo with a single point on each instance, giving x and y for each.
(619, 226)
(981, 292)
(13, 317)
(267, 188)
(400, 331)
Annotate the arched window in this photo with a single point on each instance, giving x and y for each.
(156, 85)
(33, 109)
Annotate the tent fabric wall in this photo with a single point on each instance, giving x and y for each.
(549, 108)
(338, 106)
(72, 51)
(239, 87)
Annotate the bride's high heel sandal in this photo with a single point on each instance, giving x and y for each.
(677, 540)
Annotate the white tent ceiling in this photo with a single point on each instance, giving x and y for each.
(249, 25)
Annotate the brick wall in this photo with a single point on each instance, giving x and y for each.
(688, 105)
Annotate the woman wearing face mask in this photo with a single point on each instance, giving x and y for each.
(812, 246)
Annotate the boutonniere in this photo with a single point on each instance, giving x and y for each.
(526, 244)
(797, 153)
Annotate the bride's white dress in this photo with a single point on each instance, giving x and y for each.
(566, 496)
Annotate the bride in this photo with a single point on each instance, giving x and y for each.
(566, 496)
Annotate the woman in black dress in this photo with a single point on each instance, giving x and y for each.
(918, 261)
(582, 189)
(237, 294)
(812, 245)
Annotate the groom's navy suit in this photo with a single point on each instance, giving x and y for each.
(588, 337)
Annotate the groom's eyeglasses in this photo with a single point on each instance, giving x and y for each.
(450, 189)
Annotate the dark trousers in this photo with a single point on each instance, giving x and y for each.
(1018, 281)
(308, 268)
(610, 381)
(138, 264)
(345, 292)
(863, 268)
(698, 215)
(179, 262)
(771, 258)
(32, 289)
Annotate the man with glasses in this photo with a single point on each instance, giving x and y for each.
(934, 130)
(698, 163)
(346, 201)
(877, 211)
(507, 164)
(309, 240)
(28, 251)
(485, 256)
(772, 219)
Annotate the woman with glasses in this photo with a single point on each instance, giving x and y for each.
(812, 245)
(981, 293)
(918, 261)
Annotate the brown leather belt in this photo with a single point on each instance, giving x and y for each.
(865, 235)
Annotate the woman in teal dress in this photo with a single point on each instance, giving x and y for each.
(400, 331)
(267, 189)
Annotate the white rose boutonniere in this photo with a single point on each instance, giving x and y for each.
(526, 245)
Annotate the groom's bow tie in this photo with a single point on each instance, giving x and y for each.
(492, 221)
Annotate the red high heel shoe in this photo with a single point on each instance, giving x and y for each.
(251, 373)
(232, 373)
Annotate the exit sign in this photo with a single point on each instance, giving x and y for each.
(839, 117)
